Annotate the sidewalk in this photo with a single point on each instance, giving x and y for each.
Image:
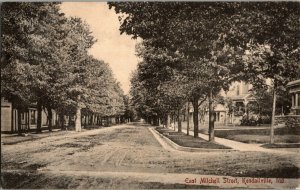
(232, 144)
(238, 145)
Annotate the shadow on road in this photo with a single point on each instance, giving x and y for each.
(141, 124)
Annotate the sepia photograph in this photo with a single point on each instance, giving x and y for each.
(150, 95)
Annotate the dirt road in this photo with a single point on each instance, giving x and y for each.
(123, 150)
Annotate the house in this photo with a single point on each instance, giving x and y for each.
(239, 94)
(9, 117)
(293, 118)
(294, 91)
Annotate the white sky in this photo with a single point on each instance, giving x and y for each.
(111, 47)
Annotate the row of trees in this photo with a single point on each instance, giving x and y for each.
(192, 50)
(45, 60)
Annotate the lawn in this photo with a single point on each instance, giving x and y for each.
(282, 135)
(188, 141)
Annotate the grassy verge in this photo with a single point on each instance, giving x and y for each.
(282, 135)
(15, 139)
(281, 145)
(32, 136)
(189, 141)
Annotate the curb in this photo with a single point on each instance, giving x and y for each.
(188, 149)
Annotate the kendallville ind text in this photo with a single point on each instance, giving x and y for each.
(244, 180)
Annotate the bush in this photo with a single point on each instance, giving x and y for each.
(291, 122)
(264, 120)
(248, 122)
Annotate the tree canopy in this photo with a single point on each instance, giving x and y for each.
(220, 42)
(45, 61)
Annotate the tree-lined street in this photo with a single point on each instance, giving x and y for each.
(213, 99)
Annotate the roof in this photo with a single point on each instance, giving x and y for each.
(293, 83)
(242, 97)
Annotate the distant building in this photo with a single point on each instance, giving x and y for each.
(294, 90)
(239, 94)
(9, 117)
(292, 119)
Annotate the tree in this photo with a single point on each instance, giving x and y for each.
(271, 50)
(159, 72)
(262, 105)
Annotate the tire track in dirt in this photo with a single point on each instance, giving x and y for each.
(119, 153)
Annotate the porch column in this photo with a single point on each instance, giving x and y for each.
(233, 111)
(246, 107)
(293, 100)
(226, 112)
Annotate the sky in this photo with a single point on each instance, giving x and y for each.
(111, 47)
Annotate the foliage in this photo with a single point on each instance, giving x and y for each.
(156, 77)
(45, 60)
(219, 41)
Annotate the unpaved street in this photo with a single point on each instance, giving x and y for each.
(111, 157)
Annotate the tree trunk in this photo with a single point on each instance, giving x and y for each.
(49, 110)
(56, 120)
(85, 118)
(179, 122)
(39, 117)
(107, 121)
(273, 116)
(153, 120)
(19, 122)
(168, 121)
(70, 121)
(62, 121)
(195, 117)
(28, 121)
(188, 119)
(210, 118)
(259, 115)
(174, 120)
(91, 119)
(78, 120)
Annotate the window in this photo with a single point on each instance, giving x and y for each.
(246, 88)
(32, 117)
(238, 90)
